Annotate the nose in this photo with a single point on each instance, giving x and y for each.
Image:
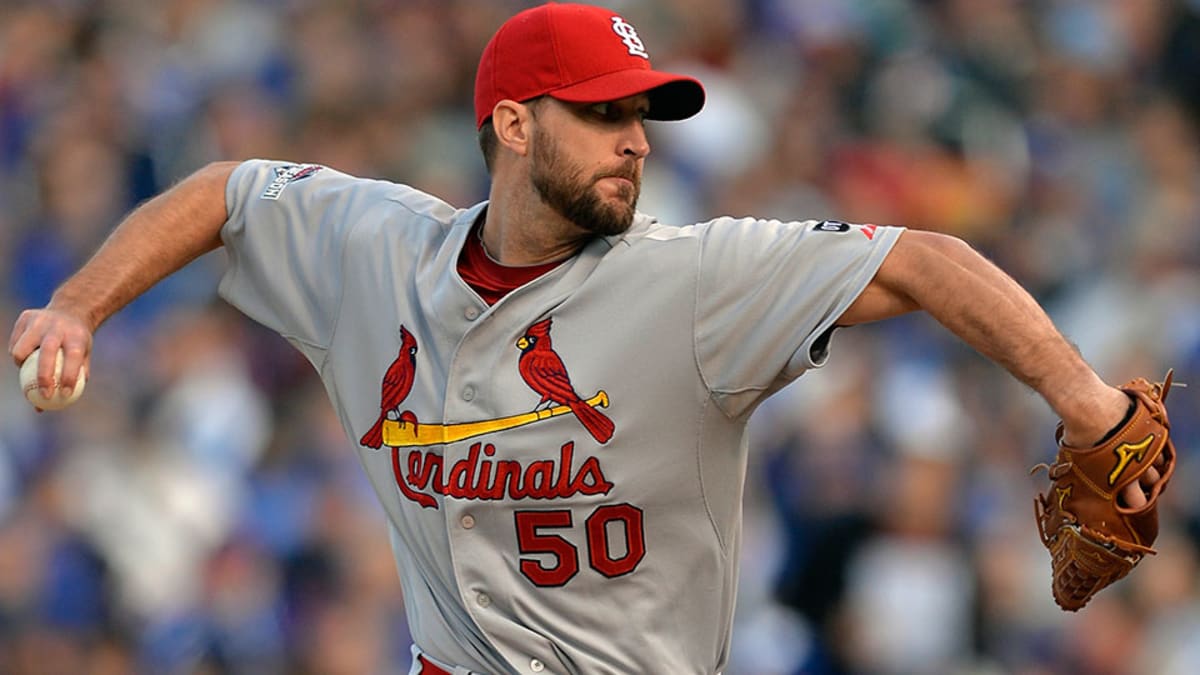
(634, 143)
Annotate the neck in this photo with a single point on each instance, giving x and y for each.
(520, 230)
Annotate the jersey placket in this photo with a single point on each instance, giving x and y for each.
(478, 388)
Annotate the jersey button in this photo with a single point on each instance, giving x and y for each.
(468, 393)
(468, 521)
(537, 666)
(484, 600)
(472, 313)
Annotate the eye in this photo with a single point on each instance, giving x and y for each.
(617, 112)
(605, 110)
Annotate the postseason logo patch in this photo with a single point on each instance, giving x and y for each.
(286, 174)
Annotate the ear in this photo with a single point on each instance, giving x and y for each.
(513, 124)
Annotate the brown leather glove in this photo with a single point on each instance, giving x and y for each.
(1094, 539)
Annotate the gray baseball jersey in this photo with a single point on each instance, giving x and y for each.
(562, 471)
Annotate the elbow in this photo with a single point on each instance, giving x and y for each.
(216, 172)
(203, 196)
(924, 256)
(209, 181)
(937, 243)
(922, 261)
(917, 255)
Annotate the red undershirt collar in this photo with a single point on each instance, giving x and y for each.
(488, 278)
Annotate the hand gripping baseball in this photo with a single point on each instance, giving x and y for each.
(1095, 533)
(51, 330)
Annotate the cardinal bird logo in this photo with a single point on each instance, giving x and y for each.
(397, 383)
(544, 372)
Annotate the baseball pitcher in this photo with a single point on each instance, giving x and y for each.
(549, 390)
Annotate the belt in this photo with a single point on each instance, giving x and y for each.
(428, 668)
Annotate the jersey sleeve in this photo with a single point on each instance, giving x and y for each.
(768, 297)
(285, 238)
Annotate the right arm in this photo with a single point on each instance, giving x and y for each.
(157, 239)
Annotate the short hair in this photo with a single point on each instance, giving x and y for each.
(489, 143)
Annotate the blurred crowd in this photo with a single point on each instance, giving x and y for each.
(200, 510)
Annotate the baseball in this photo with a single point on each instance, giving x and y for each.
(59, 399)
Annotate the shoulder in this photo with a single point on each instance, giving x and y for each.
(317, 186)
(649, 229)
(419, 204)
(738, 245)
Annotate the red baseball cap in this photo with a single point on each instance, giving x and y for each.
(581, 54)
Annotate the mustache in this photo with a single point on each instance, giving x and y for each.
(629, 172)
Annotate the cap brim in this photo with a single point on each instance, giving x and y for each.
(672, 97)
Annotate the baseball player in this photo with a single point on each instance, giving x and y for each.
(549, 390)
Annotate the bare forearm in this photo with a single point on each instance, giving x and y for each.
(985, 307)
(155, 240)
(158, 238)
(992, 313)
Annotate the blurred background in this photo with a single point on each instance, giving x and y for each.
(200, 510)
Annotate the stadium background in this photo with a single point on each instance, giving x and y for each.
(200, 510)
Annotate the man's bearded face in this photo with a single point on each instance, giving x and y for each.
(563, 186)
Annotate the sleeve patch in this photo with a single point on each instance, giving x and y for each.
(838, 226)
(288, 173)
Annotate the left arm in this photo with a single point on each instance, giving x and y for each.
(988, 310)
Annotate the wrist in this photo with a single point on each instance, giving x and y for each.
(63, 303)
(1090, 419)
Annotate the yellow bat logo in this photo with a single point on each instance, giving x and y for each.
(1126, 452)
(399, 434)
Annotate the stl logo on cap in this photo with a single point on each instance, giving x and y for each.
(568, 51)
(629, 36)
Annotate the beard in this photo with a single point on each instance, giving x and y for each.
(564, 188)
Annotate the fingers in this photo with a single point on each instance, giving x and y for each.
(1132, 496)
(1137, 494)
(16, 346)
(47, 365)
(51, 330)
(1148, 479)
(75, 358)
